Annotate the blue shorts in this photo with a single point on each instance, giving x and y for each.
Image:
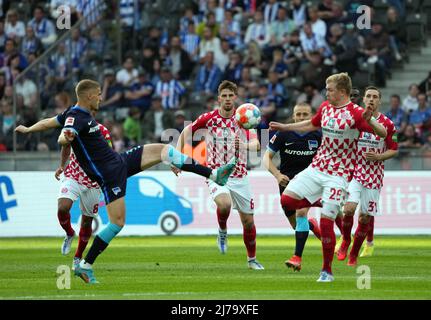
(115, 187)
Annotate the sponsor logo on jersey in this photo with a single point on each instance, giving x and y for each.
(313, 144)
(300, 153)
(69, 121)
(94, 129)
(116, 190)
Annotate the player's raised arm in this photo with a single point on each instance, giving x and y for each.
(377, 127)
(42, 125)
(303, 126)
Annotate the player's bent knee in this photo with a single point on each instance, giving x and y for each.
(302, 212)
(364, 219)
(350, 208)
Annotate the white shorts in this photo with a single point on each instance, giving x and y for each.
(239, 191)
(89, 198)
(313, 184)
(367, 198)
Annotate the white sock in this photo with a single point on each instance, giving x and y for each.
(85, 265)
(213, 175)
(251, 259)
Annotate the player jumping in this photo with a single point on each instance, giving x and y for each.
(225, 139)
(328, 175)
(296, 153)
(110, 169)
(367, 181)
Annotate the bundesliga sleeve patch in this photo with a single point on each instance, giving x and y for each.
(69, 121)
(273, 138)
(395, 137)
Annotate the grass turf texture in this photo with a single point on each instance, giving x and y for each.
(188, 268)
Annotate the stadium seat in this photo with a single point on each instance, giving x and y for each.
(380, 7)
(293, 82)
(416, 25)
(412, 6)
(426, 9)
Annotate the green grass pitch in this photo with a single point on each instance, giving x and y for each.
(188, 268)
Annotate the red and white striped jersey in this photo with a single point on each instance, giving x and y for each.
(340, 133)
(74, 170)
(370, 173)
(220, 136)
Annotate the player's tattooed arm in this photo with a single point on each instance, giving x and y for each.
(42, 125)
(66, 137)
(65, 154)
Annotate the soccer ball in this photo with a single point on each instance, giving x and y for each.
(248, 116)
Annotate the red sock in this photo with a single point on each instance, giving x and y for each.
(249, 236)
(339, 223)
(328, 243)
(370, 234)
(347, 228)
(289, 203)
(360, 234)
(84, 236)
(64, 220)
(222, 219)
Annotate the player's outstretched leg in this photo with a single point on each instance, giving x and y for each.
(360, 234)
(368, 249)
(84, 236)
(116, 212)
(63, 214)
(172, 156)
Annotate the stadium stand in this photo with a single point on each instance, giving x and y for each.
(139, 49)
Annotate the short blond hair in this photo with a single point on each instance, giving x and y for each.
(84, 86)
(342, 82)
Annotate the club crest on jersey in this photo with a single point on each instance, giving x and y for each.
(331, 123)
(367, 135)
(69, 121)
(116, 190)
(64, 190)
(226, 132)
(313, 144)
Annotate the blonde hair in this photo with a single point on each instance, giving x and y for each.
(342, 82)
(84, 86)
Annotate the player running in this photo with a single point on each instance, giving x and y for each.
(364, 189)
(110, 169)
(296, 153)
(224, 139)
(76, 184)
(332, 167)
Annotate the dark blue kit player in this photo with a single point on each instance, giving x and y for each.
(110, 169)
(296, 153)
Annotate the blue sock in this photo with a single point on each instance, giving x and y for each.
(101, 242)
(176, 158)
(185, 163)
(301, 234)
(110, 231)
